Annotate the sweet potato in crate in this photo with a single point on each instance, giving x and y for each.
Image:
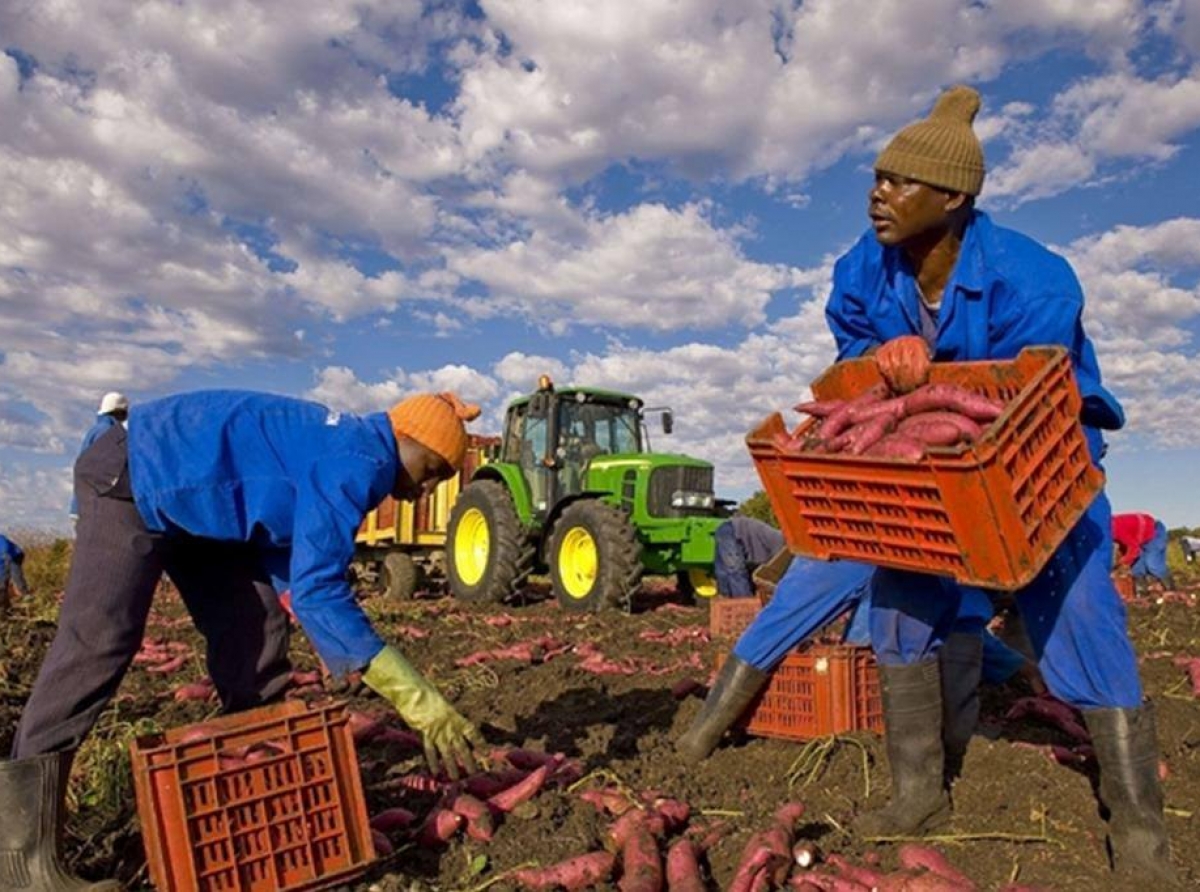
(817, 690)
(989, 513)
(260, 801)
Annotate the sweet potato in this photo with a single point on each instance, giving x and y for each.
(633, 821)
(488, 784)
(1051, 711)
(683, 867)
(172, 665)
(392, 819)
(197, 690)
(932, 432)
(363, 726)
(858, 439)
(530, 759)
(439, 827)
(673, 812)
(863, 875)
(641, 865)
(838, 420)
(383, 845)
(913, 857)
(935, 397)
(892, 409)
(572, 875)
(522, 791)
(1191, 665)
(684, 688)
(819, 408)
(194, 733)
(608, 800)
(969, 430)
(897, 445)
(480, 825)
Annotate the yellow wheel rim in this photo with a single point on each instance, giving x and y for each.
(472, 544)
(703, 584)
(578, 561)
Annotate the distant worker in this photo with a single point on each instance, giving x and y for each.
(743, 544)
(1190, 546)
(1141, 546)
(114, 409)
(237, 496)
(11, 559)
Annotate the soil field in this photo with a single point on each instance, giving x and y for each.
(606, 692)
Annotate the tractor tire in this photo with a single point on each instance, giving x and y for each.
(401, 576)
(484, 554)
(695, 587)
(595, 558)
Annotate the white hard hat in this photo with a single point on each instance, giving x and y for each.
(113, 402)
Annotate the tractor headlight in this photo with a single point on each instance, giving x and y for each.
(684, 499)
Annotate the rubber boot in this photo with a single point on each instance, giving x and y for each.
(737, 684)
(960, 662)
(912, 714)
(32, 793)
(1126, 743)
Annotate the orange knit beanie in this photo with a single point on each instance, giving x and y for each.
(435, 420)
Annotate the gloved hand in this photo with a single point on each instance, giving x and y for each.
(447, 735)
(904, 362)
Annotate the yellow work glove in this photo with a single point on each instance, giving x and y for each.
(448, 736)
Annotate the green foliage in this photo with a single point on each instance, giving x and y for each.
(47, 560)
(759, 508)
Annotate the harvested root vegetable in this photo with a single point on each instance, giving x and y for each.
(522, 791)
(489, 783)
(572, 875)
(530, 759)
(383, 845)
(174, 664)
(898, 446)
(1191, 665)
(478, 816)
(1050, 711)
(363, 726)
(864, 876)
(681, 690)
(197, 690)
(392, 819)
(609, 800)
(914, 857)
(633, 821)
(641, 865)
(439, 827)
(683, 867)
(194, 733)
(952, 398)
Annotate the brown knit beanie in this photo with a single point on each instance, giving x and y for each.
(941, 150)
(435, 420)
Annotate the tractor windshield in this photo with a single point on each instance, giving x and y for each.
(588, 429)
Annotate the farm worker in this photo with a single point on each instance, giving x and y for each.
(114, 409)
(1141, 542)
(11, 559)
(810, 596)
(1190, 546)
(236, 496)
(936, 279)
(743, 543)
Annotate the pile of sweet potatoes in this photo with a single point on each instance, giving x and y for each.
(882, 423)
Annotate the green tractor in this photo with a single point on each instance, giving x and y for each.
(577, 492)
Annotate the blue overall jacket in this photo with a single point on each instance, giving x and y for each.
(289, 476)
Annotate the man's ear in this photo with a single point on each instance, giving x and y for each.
(955, 201)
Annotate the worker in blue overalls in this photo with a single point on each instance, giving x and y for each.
(237, 496)
(936, 279)
(811, 595)
(12, 559)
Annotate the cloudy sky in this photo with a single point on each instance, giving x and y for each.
(350, 201)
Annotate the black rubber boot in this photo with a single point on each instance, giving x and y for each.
(960, 662)
(32, 792)
(737, 684)
(912, 713)
(1126, 743)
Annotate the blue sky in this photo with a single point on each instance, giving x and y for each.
(349, 202)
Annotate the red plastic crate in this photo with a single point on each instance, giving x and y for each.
(729, 617)
(818, 690)
(990, 513)
(296, 819)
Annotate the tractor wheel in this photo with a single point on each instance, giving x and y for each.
(695, 587)
(595, 559)
(401, 576)
(483, 544)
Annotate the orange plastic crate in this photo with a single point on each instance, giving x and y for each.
(729, 617)
(296, 819)
(990, 513)
(818, 690)
(1125, 586)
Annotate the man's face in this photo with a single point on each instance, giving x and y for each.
(421, 469)
(903, 211)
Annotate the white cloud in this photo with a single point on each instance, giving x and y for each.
(34, 499)
(650, 267)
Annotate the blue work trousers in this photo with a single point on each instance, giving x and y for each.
(1075, 619)
(1153, 559)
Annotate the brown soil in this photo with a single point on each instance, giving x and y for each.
(1019, 817)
